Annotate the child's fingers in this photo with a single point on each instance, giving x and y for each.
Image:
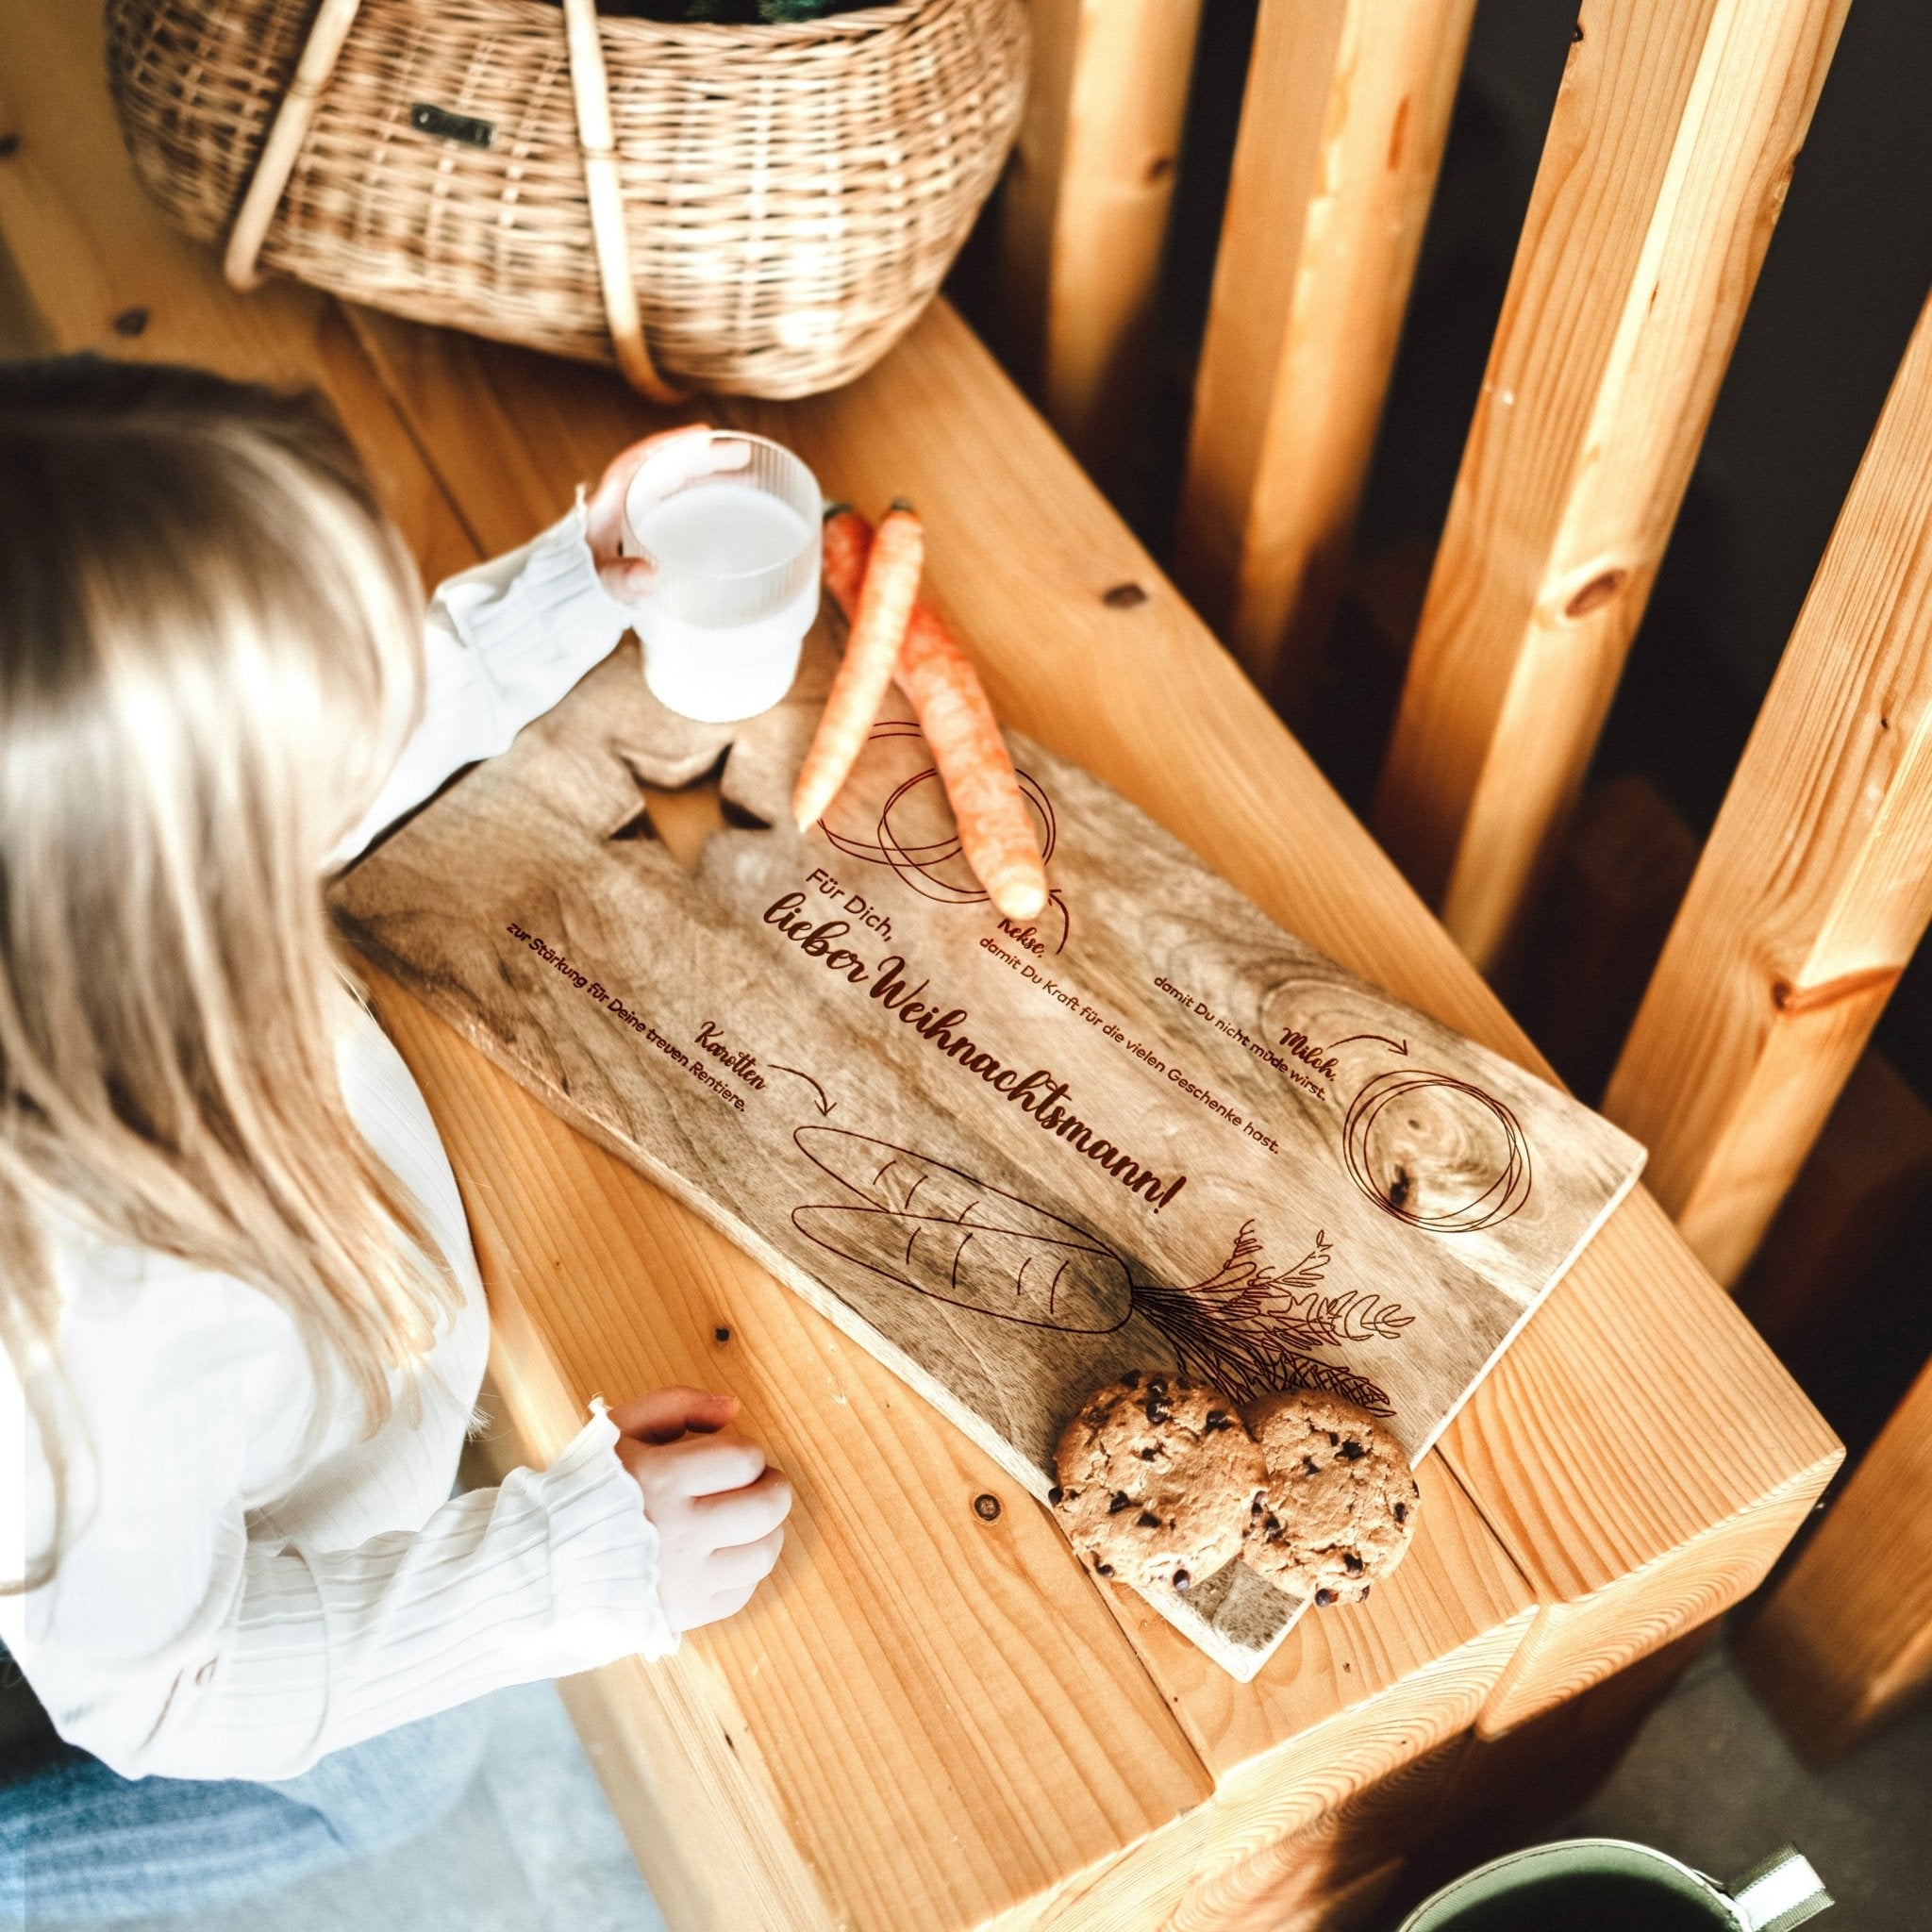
(668, 446)
(665, 1414)
(666, 463)
(726, 1603)
(745, 1564)
(705, 1465)
(742, 1516)
(628, 579)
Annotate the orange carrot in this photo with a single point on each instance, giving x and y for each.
(879, 627)
(995, 831)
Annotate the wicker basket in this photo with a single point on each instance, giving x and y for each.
(773, 204)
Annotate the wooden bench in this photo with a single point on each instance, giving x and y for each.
(935, 1718)
(1673, 140)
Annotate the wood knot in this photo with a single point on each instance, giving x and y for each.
(1596, 593)
(1124, 597)
(987, 1507)
(1789, 998)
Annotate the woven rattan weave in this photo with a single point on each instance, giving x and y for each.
(791, 195)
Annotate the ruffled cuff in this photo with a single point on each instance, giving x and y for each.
(603, 1548)
(549, 590)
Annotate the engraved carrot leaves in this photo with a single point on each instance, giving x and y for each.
(948, 1235)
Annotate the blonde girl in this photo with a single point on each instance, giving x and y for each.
(243, 1329)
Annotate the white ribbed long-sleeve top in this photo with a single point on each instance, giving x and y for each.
(232, 1600)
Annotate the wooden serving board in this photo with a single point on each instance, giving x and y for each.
(1153, 1128)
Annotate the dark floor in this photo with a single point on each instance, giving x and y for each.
(1711, 1781)
(535, 1848)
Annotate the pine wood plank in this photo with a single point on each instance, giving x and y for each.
(1343, 124)
(1084, 208)
(1666, 164)
(927, 1717)
(1845, 1642)
(1578, 1470)
(1344, 1707)
(1415, 1194)
(1579, 1400)
(1140, 695)
(1816, 882)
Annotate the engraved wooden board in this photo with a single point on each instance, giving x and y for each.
(1152, 1129)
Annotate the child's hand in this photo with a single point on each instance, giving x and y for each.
(673, 458)
(717, 1507)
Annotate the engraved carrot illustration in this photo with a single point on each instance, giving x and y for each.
(945, 1234)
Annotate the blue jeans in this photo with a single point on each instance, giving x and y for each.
(78, 1842)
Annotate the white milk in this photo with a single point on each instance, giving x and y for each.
(723, 625)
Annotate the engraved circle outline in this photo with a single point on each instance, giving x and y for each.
(915, 863)
(1503, 1198)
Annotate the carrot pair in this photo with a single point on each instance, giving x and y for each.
(875, 581)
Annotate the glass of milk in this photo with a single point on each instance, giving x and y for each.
(736, 585)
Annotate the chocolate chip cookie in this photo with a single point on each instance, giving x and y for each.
(1339, 1505)
(1156, 1479)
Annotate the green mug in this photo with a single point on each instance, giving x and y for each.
(1609, 1884)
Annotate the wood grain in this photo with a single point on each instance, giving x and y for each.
(1142, 696)
(1815, 884)
(1084, 208)
(991, 1197)
(1614, 1467)
(907, 1726)
(1345, 112)
(1580, 1472)
(1666, 163)
(1845, 1642)
(1346, 1706)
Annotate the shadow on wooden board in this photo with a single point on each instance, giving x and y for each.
(1505, 1791)
(1334, 1873)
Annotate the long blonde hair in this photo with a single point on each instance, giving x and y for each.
(211, 652)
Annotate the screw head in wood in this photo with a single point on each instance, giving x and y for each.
(130, 323)
(987, 1507)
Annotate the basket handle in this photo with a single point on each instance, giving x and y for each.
(591, 89)
(591, 92)
(286, 134)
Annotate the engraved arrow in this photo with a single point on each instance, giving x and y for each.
(824, 1105)
(1400, 1046)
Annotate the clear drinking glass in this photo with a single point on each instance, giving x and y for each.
(737, 583)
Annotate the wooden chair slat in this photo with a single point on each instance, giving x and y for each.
(1085, 207)
(1846, 1641)
(1666, 160)
(1816, 882)
(1345, 113)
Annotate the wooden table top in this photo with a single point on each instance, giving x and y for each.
(929, 1718)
